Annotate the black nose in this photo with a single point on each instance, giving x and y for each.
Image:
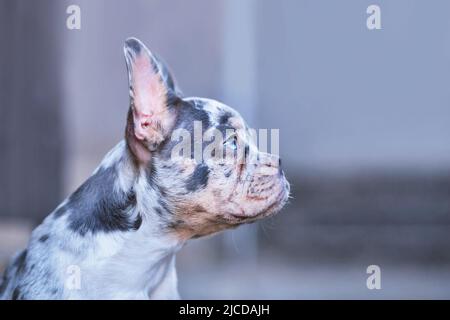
(279, 166)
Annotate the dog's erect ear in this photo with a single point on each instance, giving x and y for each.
(167, 76)
(150, 119)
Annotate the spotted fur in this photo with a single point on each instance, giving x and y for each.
(119, 231)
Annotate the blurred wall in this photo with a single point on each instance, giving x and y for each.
(31, 114)
(351, 99)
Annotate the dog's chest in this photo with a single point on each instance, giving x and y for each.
(131, 267)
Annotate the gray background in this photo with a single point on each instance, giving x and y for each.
(364, 127)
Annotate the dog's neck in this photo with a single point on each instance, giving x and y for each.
(140, 262)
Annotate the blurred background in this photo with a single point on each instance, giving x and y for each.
(364, 119)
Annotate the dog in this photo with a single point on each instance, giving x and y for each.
(117, 235)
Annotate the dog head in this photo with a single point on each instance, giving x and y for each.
(200, 154)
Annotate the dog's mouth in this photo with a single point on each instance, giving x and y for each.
(272, 208)
(235, 212)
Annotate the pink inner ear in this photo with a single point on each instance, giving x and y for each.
(149, 95)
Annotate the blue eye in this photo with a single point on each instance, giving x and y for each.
(231, 143)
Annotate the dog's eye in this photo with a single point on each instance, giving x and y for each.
(231, 142)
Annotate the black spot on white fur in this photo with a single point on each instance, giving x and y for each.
(198, 179)
(20, 262)
(4, 283)
(60, 211)
(44, 238)
(16, 294)
(97, 206)
(166, 75)
(133, 45)
(188, 112)
(224, 117)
